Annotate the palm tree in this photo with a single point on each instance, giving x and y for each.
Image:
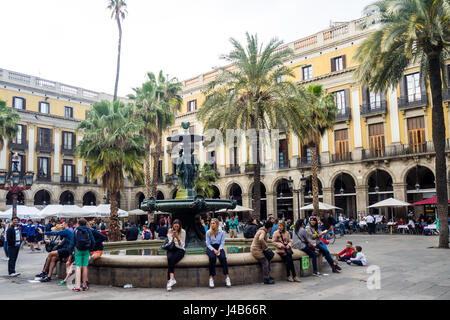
(118, 11)
(113, 147)
(155, 103)
(319, 115)
(205, 178)
(253, 96)
(412, 31)
(8, 123)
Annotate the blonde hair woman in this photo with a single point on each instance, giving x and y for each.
(215, 242)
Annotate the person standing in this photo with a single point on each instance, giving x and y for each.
(370, 220)
(153, 226)
(178, 236)
(215, 243)
(259, 246)
(31, 234)
(132, 233)
(233, 227)
(84, 243)
(5, 244)
(13, 238)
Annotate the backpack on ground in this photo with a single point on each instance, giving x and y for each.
(82, 240)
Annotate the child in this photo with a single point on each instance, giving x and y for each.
(360, 258)
(347, 253)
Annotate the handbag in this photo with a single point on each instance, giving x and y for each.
(268, 254)
(169, 246)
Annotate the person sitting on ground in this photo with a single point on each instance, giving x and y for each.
(347, 253)
(162, 230)
(250, 229)
(360, 258)
(282, 241)
(84, 244)
(67, 235)
(259, 245)
(178, 236)
(132, 233)
(215, 243)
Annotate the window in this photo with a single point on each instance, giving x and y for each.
(20, 163)
(68, 112)
(44, 136)
(340, 101)
(341, 144)
(43, 168)
(68, 140)
(44, 107)
(21, 134)
(192, 105)
(413, 89)
(280, 79)
(338, 63)
(307, 72)
(68, 171)
(19, 103)
(416, 134)
(374, 100)
(376, 136)
(283, 154)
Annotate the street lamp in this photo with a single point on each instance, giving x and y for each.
(14, 181)
(298, 191)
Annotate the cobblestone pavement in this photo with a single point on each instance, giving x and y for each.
(409, 269)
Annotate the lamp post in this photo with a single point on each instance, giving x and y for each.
(298, 191)
(14, 182)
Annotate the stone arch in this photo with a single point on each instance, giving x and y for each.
(229, 185)
(90, 199)
(236, 196)
(368, 174)
(160, 195)
(409, 168)
(336, 176)
(43, 195)
(139, 197)
(67, 197)
(430, 182)
(20, 200)
(217, 193)
(274, 184)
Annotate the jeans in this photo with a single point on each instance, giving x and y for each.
(5, 248)
(289, 262)
(359, 263)
(313, 255)
(324, 250)
(265, 264)
(13, 253)
(173, 257)
(213, 260)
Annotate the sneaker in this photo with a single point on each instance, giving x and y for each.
(39, 249)
(41, 275)
(5, 258)
(228, 282)
(85, 288)
(269, 281)
(62, 283)
(317, 274)
(348, 262)
(290, 279)
(46, 279)
(338, 268)
(297, 279)
(15, 274)
(211, 283)
(76, 289)
(335, 270)
(171, 283)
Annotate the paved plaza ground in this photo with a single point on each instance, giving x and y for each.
(409, 270)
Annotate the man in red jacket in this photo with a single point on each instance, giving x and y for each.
(347, 253)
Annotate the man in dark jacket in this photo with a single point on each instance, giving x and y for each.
(132, 233)
(153, 226)
(250, 229)
(13, 238)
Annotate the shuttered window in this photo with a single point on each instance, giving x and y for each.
(413, 88)
(376, 136)
(416, 134)
(341, 144)
(45, 136)
(192, 105)
(338, 63)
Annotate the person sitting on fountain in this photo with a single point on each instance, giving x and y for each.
(258, 248)
(178, 236)
(215, 243)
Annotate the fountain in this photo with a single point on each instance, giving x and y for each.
(188, 206)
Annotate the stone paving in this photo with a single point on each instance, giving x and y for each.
(409, 269)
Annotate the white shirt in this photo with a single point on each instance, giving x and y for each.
(369, 219)
(360, 257)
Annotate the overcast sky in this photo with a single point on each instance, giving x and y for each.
(75, 42)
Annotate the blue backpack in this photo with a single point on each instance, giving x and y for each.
(147, 235)
(82, 240)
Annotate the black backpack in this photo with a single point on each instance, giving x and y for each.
(249, 231)
(82, 240)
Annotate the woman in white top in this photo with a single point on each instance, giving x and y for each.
(178, 236)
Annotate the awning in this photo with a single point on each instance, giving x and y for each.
(428, 201)
(23, 212)
(390, 203)
(322, 207)
(237, 209)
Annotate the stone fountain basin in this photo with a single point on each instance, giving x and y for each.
(191, 271)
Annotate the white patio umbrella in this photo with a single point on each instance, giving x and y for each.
(50, 210)
(237, 209)
(104, 210)
(23, 212)
(322, 207)
(390, 203)
(137, 212)
(67, 211)
(92, 210)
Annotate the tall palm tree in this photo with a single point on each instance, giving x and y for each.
(118, 12)
(253, 96)
(319, 115)
(412, 31)
(155, 103)
(113, 147)
(204, 180)
(8, 123)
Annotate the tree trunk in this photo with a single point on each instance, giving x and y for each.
(438, 126)
(114, 232)
(148, 181)
(315, 183)
(257, 181)
(156, 155)
(116, 86)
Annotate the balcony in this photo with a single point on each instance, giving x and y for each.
(87, 181)
(70, 151)
(344, 116)
(18, 146)
(234, 169)
(306, 162)
(286, 164)
(405, 103)
(341, 157)
(42, 177)
(69, 180)
(47, 148)
(401, 150)
(368, 110)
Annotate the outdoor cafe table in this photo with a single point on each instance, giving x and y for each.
(404, 227)
(391, 224)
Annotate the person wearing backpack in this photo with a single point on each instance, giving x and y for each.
(84, 243)
(250, 229)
